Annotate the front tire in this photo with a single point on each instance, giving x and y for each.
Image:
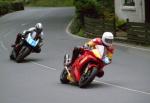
(23, 53)
(12, 54)
(88, 77)
(63, 77)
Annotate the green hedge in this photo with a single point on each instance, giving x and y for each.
(96, 9)
(17, 6)
(6, 6)
(49, 3)
(89, 8)
(75, 26)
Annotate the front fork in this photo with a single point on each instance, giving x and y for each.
(66, 59)
(69, 77)
(66, 62)
(89, 67)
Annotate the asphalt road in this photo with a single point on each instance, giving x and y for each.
(126, 80)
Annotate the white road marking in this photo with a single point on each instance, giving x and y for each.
(24, 24)
(125, 88)
(69, 33)
(43, 66)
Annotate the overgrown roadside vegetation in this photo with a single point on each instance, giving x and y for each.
(7, 6)
(102, 15)
(50, 3)
(94, 17)
(96, 9)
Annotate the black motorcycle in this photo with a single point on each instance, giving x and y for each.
(27, 45)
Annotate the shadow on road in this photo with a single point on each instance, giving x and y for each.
(96, 85)
(93, 85)
(27, 60)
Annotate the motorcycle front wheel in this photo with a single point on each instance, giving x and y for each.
(88, 77)
(23, 53)
(63, 77)
(12, 54)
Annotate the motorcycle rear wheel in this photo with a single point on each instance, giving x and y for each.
(88, 77)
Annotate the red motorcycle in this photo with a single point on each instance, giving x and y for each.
(85, 68)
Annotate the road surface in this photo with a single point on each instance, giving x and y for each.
(126, 80)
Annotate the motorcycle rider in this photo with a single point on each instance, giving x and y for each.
(39, 33)
(106, 40)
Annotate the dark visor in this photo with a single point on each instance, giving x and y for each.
(109, 40)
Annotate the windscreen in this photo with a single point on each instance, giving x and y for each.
(100, 49)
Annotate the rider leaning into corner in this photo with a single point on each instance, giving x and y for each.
(106, 41)
(39, 33)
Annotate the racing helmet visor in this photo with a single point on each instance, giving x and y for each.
(108, 40)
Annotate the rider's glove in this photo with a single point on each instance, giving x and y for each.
(106, 60)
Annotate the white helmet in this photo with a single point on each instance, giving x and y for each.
(107, 38)
(39, 27)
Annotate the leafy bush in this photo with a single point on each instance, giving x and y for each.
(17, 6)
(51, 3)
(75, 26)
(98, 9)
(90, 8)
(121, 24)
(7, 6)
(94, 8)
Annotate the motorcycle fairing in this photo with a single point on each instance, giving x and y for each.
(31, 41)
(79, 64)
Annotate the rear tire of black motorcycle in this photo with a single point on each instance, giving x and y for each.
(84, 83)
(63, 77)
(21, 56)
